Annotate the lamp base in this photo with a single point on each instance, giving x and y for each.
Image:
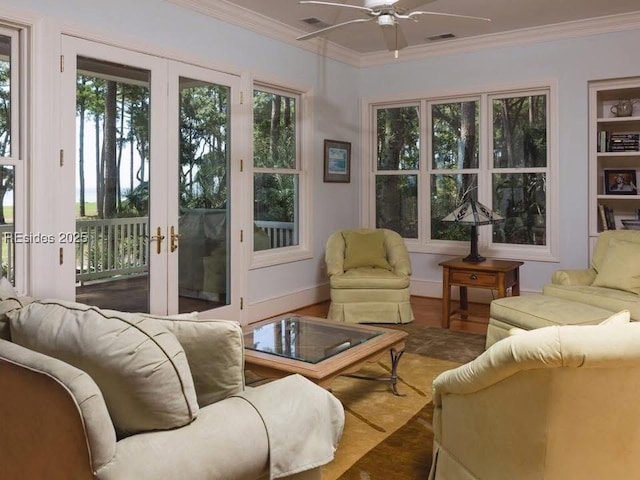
(475, 258)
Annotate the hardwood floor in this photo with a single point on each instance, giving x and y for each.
(131, 295)
(427, 311)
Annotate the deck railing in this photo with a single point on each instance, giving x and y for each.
(109, 247)
(281, 234)
(119, 246)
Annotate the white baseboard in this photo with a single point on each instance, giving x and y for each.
(302, 298)
(279, 305)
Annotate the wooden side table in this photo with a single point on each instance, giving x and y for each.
(491, 274)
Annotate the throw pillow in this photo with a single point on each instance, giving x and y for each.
(6, 289)
(215, 352)
(365, 249)
(138, 365)
(619, 318)
(621, 267)
(9, 301)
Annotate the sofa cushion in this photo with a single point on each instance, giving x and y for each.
(607, 298)
(215, 352)
(369, 278)
(365, 249)
(138, 365)
(621, 267)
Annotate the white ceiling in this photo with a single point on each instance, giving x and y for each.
(507, 17)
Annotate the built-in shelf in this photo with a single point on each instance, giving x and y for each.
(603, 95)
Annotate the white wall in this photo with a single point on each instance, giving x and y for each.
(572, 63)
(160, 28)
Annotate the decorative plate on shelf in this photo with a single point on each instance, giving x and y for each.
(631, 224)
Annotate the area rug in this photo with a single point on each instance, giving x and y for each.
(390, 437)
(373, 413)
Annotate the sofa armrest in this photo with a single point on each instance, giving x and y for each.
(215, 352)
(334, 254)
(574, 277)
(55, 423)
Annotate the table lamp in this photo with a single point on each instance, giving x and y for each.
(473, 213)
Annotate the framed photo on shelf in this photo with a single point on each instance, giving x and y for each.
(337, 161)
(620, 181)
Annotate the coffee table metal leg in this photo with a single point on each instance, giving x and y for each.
(392, 379)
(395, 359)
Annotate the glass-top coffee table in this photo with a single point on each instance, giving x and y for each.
(319, 349)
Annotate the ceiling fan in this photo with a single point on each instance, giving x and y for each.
(387, 14)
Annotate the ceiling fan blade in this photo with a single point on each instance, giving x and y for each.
(332, 4)
(415, 14)
(403, 6)
(332, 27)
(394, 38)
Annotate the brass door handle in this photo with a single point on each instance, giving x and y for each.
(158, 238)
(174, 239)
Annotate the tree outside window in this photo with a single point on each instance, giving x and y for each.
(276, 168)
(398, 160)
(507, 169)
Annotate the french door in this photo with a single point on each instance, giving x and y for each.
(152, 186)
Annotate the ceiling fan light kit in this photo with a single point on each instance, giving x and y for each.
(387, 14)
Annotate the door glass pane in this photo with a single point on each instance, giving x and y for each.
(112, 185)
(204, 247)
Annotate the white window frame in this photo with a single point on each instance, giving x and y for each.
(424, 244)
(19, 144)
(304, 142)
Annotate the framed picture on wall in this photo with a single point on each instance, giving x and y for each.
(620, 182)
(337, 161)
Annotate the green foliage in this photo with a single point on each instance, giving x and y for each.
(519, 131)
(204, 129)
(398, 138)
(274, 148)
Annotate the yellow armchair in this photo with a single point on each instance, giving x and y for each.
(553, 403)
(369, 272)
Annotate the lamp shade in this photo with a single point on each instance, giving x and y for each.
(472, 213)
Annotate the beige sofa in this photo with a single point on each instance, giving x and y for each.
(89, 393)
(554, 403)
(578, 297)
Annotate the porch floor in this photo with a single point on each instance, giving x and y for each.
(130, 294)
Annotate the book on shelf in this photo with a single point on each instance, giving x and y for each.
(618, 141)
(607, 217)
(603, 216)
(611, 219)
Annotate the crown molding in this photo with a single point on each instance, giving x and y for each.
(574, 29)
(244, 18)
(247, 19)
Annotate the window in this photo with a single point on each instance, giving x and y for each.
(433, 154)
(277, 169)
(11, 153)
